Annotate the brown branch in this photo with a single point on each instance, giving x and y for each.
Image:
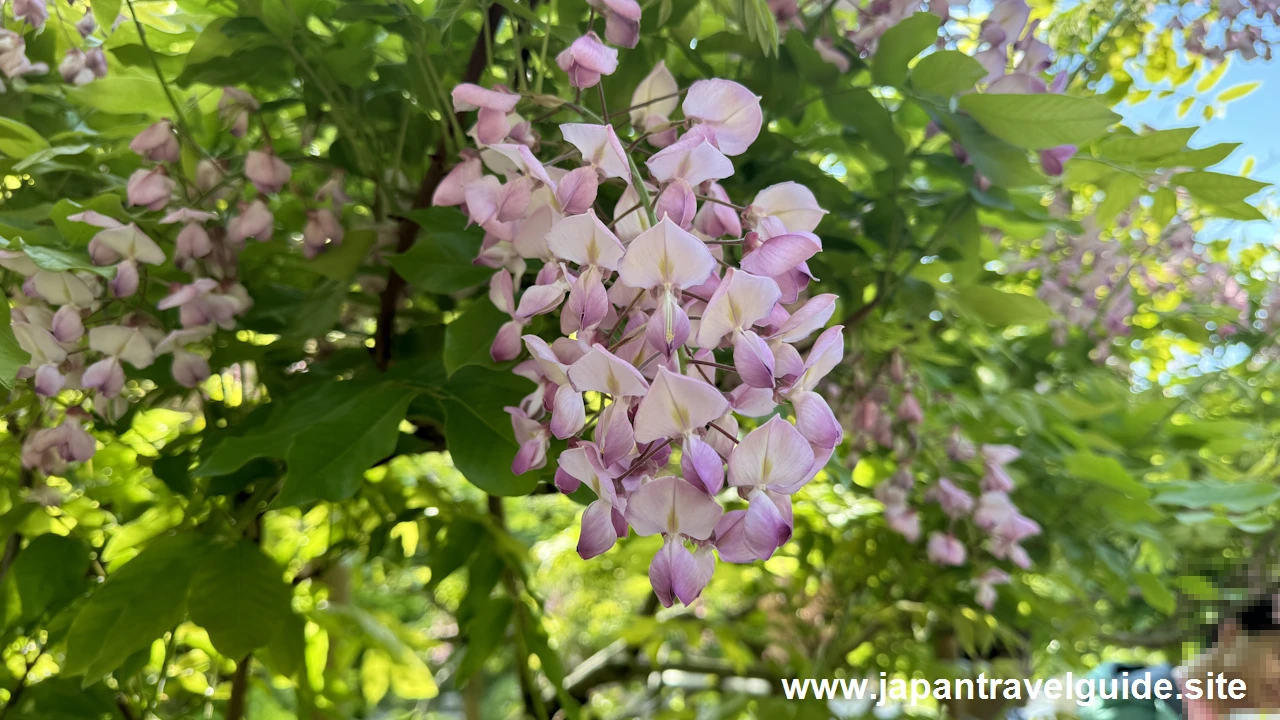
(407, 232)
(239, 689)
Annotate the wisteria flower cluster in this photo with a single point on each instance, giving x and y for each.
(79, 66)
(651, 304)
(878, 418)
(84, 325)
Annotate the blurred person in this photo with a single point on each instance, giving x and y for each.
(1246, 647)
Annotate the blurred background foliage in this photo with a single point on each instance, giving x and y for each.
(251, 571)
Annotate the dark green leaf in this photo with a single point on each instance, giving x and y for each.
(239, 596)
(12, 356)
(900, 44)
(945, 73)
(468, 338)
(1039, 122)
(1223, 195)
(1001, 308)
(137, 604)
(441, 262)
(861, 110)
(49, 573)
(327, 462)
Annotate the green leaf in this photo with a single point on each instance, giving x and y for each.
(1121, 190)
(1240, 497)
(761, 25)
(121, 94)
(900, 44)
(1223, 195)
(271, 430)
(441, 262)
(48, 154)
(478, 430)
(860, 109)
(137, 604)
(1164, 206)
(18, 140)
(287, 648)
(239, 596)
(484, 634)
(106, 12)
(49, 573)
(344, 261)
(12, 356)
(468, 338)
(1003, 309)
(47, 258)
(1039, 122)
(1150, 146)
(1087, 170)
(328, 460)
(945, 73)
(1155, 593)
(1003, 164)
(1107, 471)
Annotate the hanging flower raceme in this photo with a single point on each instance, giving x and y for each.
(677, 321)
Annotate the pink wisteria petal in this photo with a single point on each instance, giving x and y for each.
(598, 534)
(815, 420)
(676, 406)
(576, 191)
(672, 506)
(506, 344)
(730, 109)
(947, 550)
(1000, 454)
(677, 202)
(665, 255)
(654, 96)
(827, 352)
(782, 253)
(739, 302)
(810, 317)
(600, 148)
(548, 362)
(773, 455)
(584, 464)
(541, 299)
(586, 59)
(96, 219)
(523, 159)
(614, 434)
(753, 360)
(601, 371)
(452, 189)
(587, 306)
(717, 219)
(730, 538)
(751, 401)
(691, 159)
(568, 414)
(584, 240)
(791, 203)
(630, 219)
(764, 528)
(701, 465)
(468, 96)
(492, 126)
